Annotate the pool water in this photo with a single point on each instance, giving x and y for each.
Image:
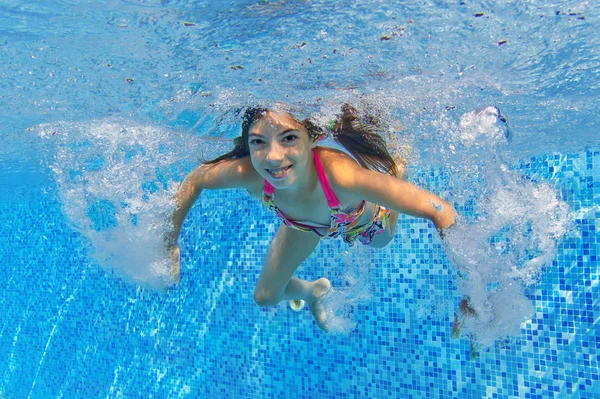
(106, 107)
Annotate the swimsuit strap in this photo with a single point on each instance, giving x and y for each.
(332, 200)
(268, 189)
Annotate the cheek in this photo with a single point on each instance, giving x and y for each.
(302, 153)
(255, 160)
(255, 153)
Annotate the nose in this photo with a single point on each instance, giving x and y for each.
(275, 154)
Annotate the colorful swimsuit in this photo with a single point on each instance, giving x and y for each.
(342, 224)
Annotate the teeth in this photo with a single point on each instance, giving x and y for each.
(279, 171)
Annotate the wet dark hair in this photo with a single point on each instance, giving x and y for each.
(356, 133)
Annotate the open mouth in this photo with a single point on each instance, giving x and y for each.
(279, 172)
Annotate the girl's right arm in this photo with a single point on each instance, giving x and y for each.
(230, 173)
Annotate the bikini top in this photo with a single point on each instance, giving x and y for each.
(341, 222)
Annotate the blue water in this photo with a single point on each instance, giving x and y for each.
(105, 107)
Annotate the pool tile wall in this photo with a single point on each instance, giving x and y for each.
(71, 330)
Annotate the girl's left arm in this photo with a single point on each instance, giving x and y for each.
(394, 193)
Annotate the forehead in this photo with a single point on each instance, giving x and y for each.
(276, 120)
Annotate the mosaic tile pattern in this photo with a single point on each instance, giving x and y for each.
(70, 330)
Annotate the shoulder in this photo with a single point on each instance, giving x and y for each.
(334, 160)
(341, 169)
(229, 173)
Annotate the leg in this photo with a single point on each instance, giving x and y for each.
(275, 284)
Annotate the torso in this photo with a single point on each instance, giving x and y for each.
(311, 208)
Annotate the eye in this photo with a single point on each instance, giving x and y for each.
(256, 141)
(290, 138)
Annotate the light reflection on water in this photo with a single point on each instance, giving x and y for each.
(441, 60)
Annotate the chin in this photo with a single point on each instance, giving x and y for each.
(279, 183)
(282, 183)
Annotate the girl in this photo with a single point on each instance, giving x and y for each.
(317, 192)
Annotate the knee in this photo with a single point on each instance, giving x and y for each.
(264, 297)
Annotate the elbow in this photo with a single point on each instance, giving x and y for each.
(186, 191)
(181, 195)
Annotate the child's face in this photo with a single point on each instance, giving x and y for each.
(280, 149)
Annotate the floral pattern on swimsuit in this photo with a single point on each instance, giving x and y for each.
(342, 224)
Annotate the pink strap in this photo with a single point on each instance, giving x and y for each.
(268, 188)
(332, 200)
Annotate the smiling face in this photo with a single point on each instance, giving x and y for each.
(280, 150)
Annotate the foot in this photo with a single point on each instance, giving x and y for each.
(320, 289)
